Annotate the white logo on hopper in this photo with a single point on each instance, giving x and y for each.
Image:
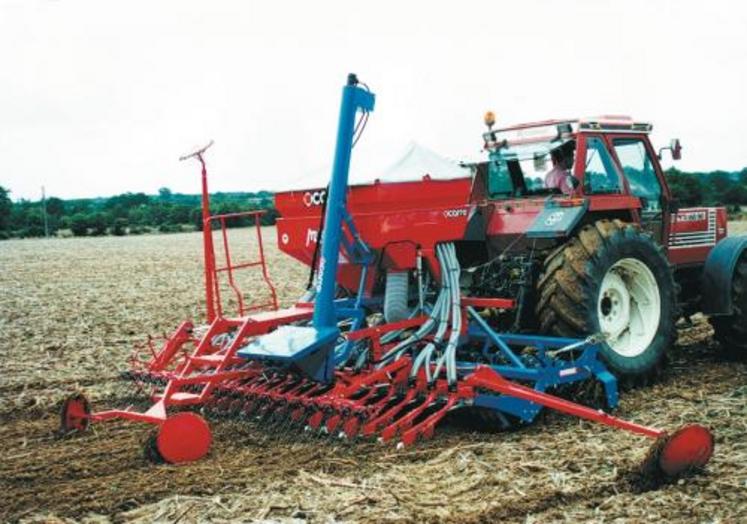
(312, 236)
(454, 213)
(314, 198)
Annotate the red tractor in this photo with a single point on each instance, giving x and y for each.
(603, 248)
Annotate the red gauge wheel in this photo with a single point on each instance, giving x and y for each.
(690, 447)
(184, 437)
(75, 414)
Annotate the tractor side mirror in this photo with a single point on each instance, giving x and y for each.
(675, 147)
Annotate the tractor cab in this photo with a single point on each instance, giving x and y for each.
(605, 164)
(530, 161)
(596, 156)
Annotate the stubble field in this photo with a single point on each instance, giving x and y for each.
(71, 310)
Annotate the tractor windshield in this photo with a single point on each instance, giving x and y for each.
(529, 169)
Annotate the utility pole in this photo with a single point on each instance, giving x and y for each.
(44, 213)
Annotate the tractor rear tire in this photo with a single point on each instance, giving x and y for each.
(612, 278)
(731, 331)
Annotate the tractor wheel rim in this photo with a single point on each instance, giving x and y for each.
(629, 307)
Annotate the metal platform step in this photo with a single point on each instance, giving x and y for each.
(306, 348)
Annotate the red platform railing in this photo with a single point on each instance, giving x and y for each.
(213, 301)
(212, 270)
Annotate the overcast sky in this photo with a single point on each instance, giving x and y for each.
(100, 97)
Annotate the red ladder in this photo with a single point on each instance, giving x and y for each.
(212, 270)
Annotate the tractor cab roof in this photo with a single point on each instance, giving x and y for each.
(560, 130)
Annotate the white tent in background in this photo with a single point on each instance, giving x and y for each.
(414, 162)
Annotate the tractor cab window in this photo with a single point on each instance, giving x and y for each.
(639, 171)
(600, 174)
(531, 169)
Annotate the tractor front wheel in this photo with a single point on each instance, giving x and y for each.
(731, 330)
(615, 280)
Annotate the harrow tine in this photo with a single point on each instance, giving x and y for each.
(297, 423)
(426, 428)
(222, 406)
(264, 411)
(285, 424)
(388, 414)
(279, 418)
(235, 407)
(248, 408)
(377, 405)
(298, 415)
(333, 422)
(315, 420)
(407, 419)
(351, 426)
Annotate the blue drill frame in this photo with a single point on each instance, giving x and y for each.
(543, 370)
(312, 348)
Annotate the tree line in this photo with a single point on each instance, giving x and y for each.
(136, 213)
(128, 213)
(722, 188)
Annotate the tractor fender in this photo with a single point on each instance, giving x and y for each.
(718, 275)
(558, 219)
